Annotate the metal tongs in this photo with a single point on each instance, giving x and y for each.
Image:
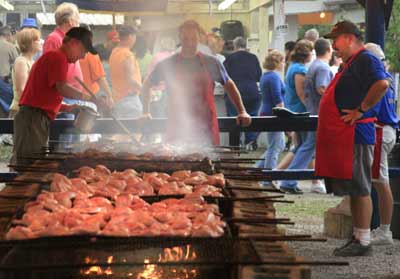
(120, 124)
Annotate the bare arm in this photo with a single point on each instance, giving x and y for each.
(104, 86)
(299, 86)
(21, 76)
(243, 118)
(68, 91)
(129, 70)
(146, 96)
(321, 90)
(374, 95)
(234, 96)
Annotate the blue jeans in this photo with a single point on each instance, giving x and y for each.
(252, 107)
(303, 155)
(276, 144)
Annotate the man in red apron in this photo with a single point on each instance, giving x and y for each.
(346, 132)
(189, 77)
(385, 140)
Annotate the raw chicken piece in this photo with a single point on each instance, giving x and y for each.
(65, 198)
(163, 176)
(117, 183)
(155, 182)
(138, 203)
(78, 182)
(170, 188)
(180, 223)
(123, 200)
(142, 188)
(56, 230)
(102, 170)
(216, 180)
(195, 180)
(163, 216)
(194, 198)
(208, 190)
(60, 183)
(19, 233)
(115, 230)
(181, 175)
(131, 181)
(130, 173)
(205, 231)
(73, 218)
(185, 190)
(86, 173)
(198, 173)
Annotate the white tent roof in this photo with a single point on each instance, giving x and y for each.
(89, 19)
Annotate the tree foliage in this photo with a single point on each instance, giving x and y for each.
(322, 29)
(392, 42)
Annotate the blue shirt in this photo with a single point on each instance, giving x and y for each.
(244, 69)
(319, 75)
(387, 109)
(353, 86)
(292, 101)
(272, 90)
(166, 70)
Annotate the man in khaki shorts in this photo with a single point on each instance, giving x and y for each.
(386, 139)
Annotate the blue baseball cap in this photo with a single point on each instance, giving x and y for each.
(29, 23)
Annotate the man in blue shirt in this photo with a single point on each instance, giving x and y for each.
(346, 132)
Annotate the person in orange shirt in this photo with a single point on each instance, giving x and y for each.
(125, 76)
(93, 73)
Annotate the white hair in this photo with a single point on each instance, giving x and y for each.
(376, 50)
(311, 35)
(66, 11)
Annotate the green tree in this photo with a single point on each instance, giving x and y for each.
(322, 29)
(392, 42)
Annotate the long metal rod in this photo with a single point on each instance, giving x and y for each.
(9, 267)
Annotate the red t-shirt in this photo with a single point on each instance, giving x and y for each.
(53, 42)
(40, 90)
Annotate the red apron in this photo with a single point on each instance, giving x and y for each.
(335, 138)
(192, 114)
(376, 165)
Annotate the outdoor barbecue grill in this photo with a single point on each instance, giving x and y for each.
(252, 237)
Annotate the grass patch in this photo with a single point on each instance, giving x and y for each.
(306, 206)
(5, 153)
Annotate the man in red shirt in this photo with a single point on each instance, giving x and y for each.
(45, 89)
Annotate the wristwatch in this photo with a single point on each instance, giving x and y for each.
(360, 110)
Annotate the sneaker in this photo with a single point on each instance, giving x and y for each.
(379, 237)
(269, 185)
(290, 190)
(318, 187)
(353, 248)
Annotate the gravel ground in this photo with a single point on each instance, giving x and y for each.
(307, 213)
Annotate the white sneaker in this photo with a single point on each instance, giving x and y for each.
(318, 187)
(379, 237)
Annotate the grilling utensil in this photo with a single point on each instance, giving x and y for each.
(120, 124)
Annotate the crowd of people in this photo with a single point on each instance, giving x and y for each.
(341, 80)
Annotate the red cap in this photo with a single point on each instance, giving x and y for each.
(113, 36)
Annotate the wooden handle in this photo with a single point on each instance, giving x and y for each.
(120, 124)
(85, 87)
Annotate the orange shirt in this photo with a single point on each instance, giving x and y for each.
(92, 71)
(119, 78)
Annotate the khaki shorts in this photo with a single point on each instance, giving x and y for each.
(360, 184)
(388, 142)
(31, 133)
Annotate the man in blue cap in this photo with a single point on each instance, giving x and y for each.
(29, 23)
